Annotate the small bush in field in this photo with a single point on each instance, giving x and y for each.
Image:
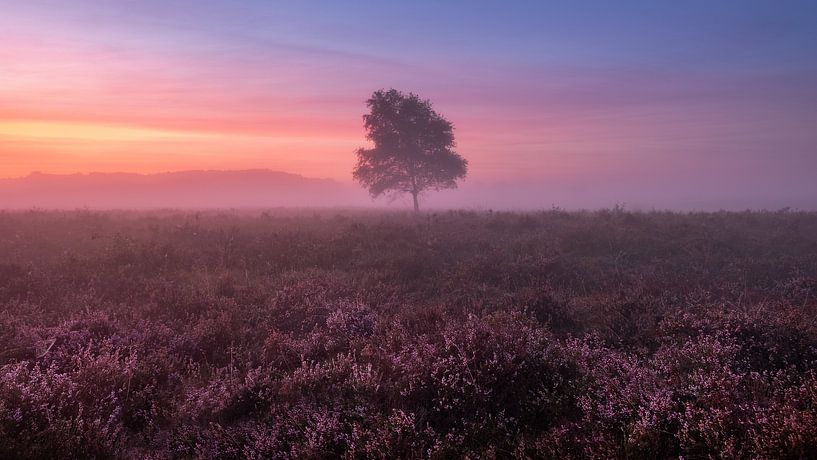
(381, 335)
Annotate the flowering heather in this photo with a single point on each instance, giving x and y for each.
(384, 335)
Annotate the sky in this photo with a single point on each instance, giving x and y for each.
(692, 98)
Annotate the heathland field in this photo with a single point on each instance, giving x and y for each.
(387, 335)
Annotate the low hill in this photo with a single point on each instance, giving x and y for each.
(186, 189)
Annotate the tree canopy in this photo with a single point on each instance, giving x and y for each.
(413, 147)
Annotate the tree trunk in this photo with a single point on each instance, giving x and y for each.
(416, 203)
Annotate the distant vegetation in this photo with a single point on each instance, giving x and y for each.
(258, 188)
(302, 334)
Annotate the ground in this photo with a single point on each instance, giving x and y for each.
(370, 334)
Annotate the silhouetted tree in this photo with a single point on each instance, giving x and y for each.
(413, 147)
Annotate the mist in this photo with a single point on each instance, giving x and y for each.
(252, 189)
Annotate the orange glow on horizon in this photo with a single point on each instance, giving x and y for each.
(60, 147)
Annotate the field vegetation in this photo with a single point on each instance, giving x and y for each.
(322, 334)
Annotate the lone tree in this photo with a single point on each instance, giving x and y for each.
(413, 147)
